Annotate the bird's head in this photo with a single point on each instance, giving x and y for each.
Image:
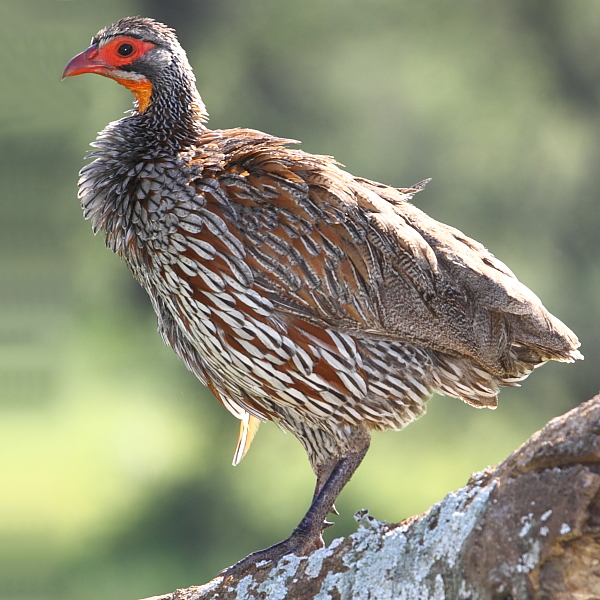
(139, 53)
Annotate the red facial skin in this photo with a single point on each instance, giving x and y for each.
(107, 61)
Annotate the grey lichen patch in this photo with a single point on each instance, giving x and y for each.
(438, 588)
(275, 586)
(407, 562)
(315, 560)
(245, 585)
(530, 559)
(564, 529)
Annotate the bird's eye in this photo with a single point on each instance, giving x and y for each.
(125, 49)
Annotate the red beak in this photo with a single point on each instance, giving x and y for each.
(86, 62)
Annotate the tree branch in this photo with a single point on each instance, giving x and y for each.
(526, 528)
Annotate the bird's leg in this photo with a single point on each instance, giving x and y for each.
(322, 472)
(307, 535)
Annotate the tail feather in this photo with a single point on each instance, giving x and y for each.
(248, 428)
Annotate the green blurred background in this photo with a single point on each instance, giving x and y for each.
(114, 462)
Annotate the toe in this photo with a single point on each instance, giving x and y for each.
(300, 545)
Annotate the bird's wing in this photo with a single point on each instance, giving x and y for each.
(337, 252)
(498, 311)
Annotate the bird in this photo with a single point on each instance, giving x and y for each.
(298, 293)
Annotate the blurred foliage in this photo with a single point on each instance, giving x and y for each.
(114, 461)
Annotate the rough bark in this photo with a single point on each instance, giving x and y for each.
(528, 528)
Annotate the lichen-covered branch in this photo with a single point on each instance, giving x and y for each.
(527, 528)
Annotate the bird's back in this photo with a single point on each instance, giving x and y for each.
(356, 255)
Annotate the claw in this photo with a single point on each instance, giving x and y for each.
(327, 525)
(334, 511)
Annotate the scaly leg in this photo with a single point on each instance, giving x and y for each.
(322, 473)
(307, 535)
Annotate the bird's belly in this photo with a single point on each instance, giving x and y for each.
(290, 376)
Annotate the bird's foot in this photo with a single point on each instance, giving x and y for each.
(299, 543)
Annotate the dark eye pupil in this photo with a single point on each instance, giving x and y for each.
(125, 49)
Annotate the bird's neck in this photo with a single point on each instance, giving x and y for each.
(171, 118)
(151, 146)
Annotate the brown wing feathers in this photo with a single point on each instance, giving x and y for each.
(291, 238)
